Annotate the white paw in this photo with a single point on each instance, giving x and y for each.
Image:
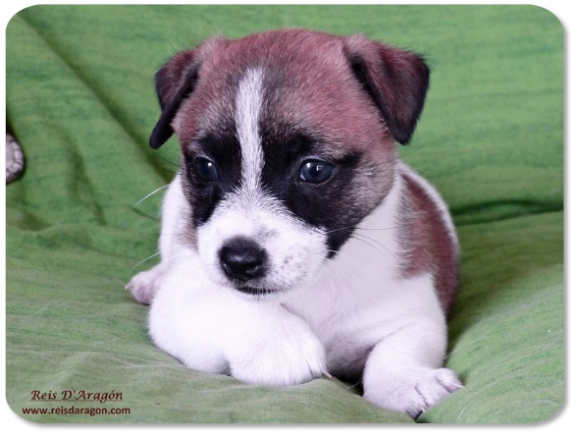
(289, 357)
(414, 390)
(144, 285)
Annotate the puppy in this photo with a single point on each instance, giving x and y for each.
(294, 242)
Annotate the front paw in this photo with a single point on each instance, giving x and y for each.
(413, 390)
(289, 358)
(144, 285)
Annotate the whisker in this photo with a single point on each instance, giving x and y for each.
(151, 194)
(365, 229)
(160, 167)
(411, 151)
(167, 160)
(144, 260)
(343, 269)
(359, 237)
(150, 215)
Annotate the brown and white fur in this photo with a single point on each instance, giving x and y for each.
(294, 242)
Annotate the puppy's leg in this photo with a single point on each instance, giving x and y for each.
(212, 329)
(276, 348)
(404, 370)
(401, 380)
(144, 285)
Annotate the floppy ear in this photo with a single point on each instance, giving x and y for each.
(396, 81)
(174, 82)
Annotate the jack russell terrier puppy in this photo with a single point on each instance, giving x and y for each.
(294, 243)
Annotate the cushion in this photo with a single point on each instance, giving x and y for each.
(83, 217)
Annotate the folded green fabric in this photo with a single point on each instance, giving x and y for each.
(80, 101)
(72, 326)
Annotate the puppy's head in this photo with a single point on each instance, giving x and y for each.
(287, 142)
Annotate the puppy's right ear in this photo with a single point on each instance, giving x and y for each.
(174, 82)
(395, 80)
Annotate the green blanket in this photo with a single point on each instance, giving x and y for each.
(79, 223)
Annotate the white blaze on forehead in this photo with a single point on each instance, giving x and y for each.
(248, 107)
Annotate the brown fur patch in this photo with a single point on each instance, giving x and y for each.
(427, 245)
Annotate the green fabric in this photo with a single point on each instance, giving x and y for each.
(81, 102)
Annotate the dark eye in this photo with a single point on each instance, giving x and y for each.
(316, 172)
(205, 169)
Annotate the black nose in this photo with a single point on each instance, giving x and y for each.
(243, 259)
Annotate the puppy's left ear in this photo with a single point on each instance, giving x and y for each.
(174, 83)
(395, 80)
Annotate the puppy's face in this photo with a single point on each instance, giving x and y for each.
(287, 141)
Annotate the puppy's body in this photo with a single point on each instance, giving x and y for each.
(293, 241)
